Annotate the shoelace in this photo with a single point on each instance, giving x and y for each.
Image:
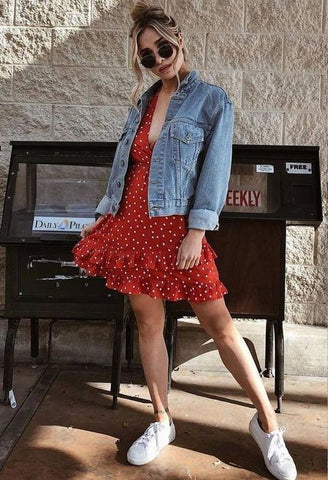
(148, 435)
(277, 450)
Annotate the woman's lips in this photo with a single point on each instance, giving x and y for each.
(163, 69)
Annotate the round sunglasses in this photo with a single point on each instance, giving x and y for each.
(165, 50)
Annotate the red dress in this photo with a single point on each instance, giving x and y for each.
(137, 253)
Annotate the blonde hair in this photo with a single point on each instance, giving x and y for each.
(145, 15)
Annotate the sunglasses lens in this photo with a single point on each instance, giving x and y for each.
(165, 51)
(148, 61)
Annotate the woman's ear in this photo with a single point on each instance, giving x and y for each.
(180, 40)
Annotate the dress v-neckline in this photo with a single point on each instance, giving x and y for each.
(154, 101)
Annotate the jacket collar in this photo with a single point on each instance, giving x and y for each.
(184, 88)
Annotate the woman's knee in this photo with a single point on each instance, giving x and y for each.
(215, 319)
(149, 313)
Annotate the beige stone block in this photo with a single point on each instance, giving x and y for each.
(6, 78)
(25, 45)
(306, 53)
(323, 159)
(6, 12)
(324, 94)
(4, 167)
(306, 284)
(324, 184)
(321, 314)
(321, 246)
(300, 313)
(283, 16)
(43, 84)
(208, 16)
(111, 87)
(52, 13)
(113, 13)
(300, 245)
(231, 82)
(195, 49)
(100, 48)
(305, 128)
(28, 122)
(244, 51)
(5, 153)
(281, 91)
(73, 123)
(258, 127)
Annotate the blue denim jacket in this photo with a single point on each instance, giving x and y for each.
(191, 160)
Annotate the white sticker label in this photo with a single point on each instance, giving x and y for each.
(264, 169)
(60, 224)
(299, 168)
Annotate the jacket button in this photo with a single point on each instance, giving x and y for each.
(118, 184)
(122, 163)
(188, 138)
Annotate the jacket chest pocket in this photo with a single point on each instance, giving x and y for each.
(187, 142)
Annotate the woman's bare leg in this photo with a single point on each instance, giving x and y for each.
(150, 318)
(217, 322)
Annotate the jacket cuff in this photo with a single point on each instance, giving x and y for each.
(103, 206)
(203, 219)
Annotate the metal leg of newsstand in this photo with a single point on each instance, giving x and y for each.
(117, 359)
(9, 397)
(268, 349)
(279, 364)
(170, 336)
(34, 341)
(129, 347)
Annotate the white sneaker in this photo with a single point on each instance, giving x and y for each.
(148, 446)
(276, 456)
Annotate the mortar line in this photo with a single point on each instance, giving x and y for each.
(206, 50)
(242, 90)
(324, 15)
(14, 16)
(283, 126)
(322, 86)
(90, 13)
(12, 82)
(244, 16)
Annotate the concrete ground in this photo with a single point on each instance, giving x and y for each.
(64, 429)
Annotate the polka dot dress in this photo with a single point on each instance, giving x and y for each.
(136, 253)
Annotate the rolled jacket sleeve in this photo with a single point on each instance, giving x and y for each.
(212, 185)
(103, 206)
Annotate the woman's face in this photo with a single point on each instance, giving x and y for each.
(149, 41)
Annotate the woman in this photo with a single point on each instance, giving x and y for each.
(167, 186)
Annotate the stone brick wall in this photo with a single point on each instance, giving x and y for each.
(64, 75)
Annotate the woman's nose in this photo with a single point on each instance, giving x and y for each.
(158, 58)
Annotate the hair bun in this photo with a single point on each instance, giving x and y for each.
(141, 10)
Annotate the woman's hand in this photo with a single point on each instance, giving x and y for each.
(190, 249)
(87, 229)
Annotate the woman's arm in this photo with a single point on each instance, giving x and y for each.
(212, 185)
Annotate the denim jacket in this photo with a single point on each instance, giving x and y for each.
(191, 159)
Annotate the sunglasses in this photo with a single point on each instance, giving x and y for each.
(165, 50)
